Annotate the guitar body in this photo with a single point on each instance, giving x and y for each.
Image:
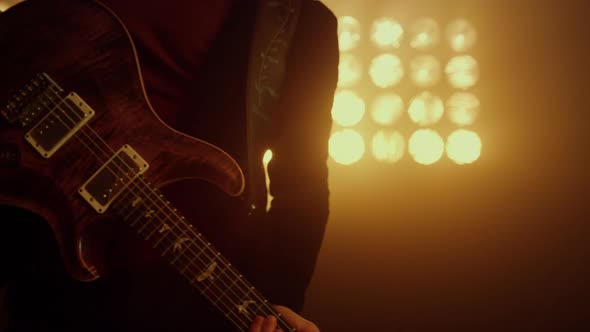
(83, 47)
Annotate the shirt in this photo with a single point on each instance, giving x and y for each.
(172, 39)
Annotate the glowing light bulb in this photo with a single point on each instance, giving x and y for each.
(348, 108)
(387, 109)
(349, 33)
(426, 146)
(461, 35)
(426, 109)
(388, 147)
(425, 71)
(463, 108)
(386, 70)
(350, 70)
(462, 72)
(387, 33)
(463, 146)
(424, 34)
(346, 147)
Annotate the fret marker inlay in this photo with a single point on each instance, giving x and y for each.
(164, 228)
(208, 274)
(243, 308)
(150, 214)
(136, 201)
(179, 242)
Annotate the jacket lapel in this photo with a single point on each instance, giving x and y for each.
(274, 27)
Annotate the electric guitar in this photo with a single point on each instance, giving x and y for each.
(80, 142)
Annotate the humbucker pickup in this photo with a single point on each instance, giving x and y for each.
(64, 119)
(114, 176)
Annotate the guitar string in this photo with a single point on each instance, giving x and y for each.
(263, 302)
(239, 318)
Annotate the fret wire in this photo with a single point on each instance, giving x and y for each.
(122, 197)
(136, 218)
(133, 213)
(191, 260)
(224, 293)
(180, 253)
(123, 204)
(147, 220)
(130, 214)
(160, 226)
(164, 235)
(125, 210)
(154, 231)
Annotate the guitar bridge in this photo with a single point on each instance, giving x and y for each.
(114, 176)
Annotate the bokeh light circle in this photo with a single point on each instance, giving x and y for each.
(349, 33)
(463, 146)
(387, 33)
(386, 70)
(388, 147)
(387, 109)
(350, 70)
(346, 146)
(463, 108)
(426, 109)
(424, 34)
(348, 108)
(462, 72)
(425, 71)
(426, 146)
(461, 35)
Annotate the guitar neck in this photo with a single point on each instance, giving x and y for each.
(154, 218)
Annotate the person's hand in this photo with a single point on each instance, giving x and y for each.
(269, 324)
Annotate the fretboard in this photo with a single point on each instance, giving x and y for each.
(154, 218)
